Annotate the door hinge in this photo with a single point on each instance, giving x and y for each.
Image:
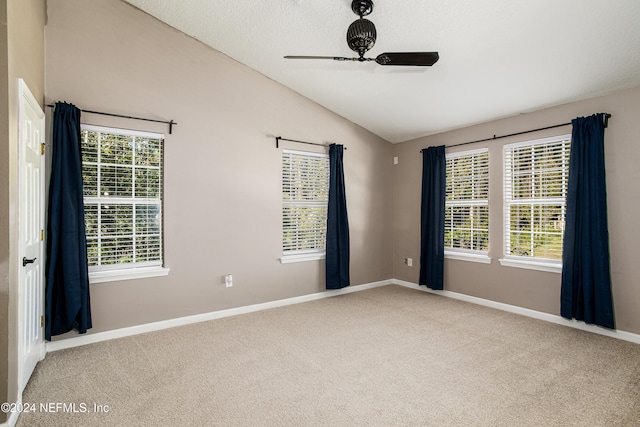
(42, 321)
(42, 149)
(42, 235)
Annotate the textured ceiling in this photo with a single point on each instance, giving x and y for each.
(498, 58)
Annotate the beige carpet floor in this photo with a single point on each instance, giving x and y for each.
(388, 356)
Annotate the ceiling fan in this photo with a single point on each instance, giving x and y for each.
(361, 36)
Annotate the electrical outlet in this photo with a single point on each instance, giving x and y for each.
(410, 262)
(228, 280)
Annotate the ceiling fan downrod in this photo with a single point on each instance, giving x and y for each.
(362, 7)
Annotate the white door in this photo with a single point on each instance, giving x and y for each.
(31, 235)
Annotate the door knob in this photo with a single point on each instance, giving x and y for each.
(26, 261)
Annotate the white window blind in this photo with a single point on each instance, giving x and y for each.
(467, 201)
(535, 188)
(305, 194)
(122, 182)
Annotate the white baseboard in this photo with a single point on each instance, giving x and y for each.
(12, 419)
(181, 321)
(622, 335)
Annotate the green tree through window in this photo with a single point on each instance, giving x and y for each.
(536, 180)
(122, 182)
(467, 202)
(305, 194)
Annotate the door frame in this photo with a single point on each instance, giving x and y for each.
(25, 96)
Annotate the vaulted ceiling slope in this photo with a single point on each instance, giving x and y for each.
(498, 58)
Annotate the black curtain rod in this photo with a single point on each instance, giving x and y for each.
(279, 138)
(607, 116)
(170, 122)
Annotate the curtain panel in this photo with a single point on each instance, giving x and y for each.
(67, 302)
(586, 276)
(434, 178)
(337, 246)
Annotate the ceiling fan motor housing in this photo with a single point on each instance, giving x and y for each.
(361, 36)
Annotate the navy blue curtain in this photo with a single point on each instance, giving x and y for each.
(434, 178)
(67, 304)
(337, 252)
(586, 275)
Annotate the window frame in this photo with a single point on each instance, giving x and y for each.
(461, 254)
(313, 254)
(134, 270)
(532, 262)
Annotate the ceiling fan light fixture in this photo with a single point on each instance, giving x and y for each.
(361, 36)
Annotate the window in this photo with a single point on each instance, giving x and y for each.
(305, 194)
(535, 179)
(466, 232)
(122, 184)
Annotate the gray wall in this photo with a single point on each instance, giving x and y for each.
(222, 174)
(527, 288)
(4, 206)
(222, 169)
(21, 56)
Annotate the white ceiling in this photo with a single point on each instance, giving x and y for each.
(498, 58)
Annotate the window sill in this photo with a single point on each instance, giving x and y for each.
(287, 259)
(551, 267)
(464, 256)
(128, 274)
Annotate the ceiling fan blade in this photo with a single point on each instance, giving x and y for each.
(335, 58)
(420, 59)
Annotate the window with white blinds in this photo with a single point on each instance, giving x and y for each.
(467, 202)
(536, 175)
(122, 184)
(305, 194)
